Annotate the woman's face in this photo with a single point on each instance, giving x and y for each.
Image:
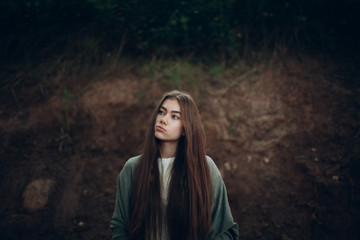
(168, 124)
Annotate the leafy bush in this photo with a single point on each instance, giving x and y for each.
(173, 27)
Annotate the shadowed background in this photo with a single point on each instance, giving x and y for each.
(276, 82)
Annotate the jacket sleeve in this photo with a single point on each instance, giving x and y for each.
(121, 215)
(222, 223)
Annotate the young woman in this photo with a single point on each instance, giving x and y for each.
(173, 190)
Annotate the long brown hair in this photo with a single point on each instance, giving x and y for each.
(188, 212)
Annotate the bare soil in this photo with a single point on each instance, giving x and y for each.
(285, 136)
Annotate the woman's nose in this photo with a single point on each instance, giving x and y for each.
(164, 119)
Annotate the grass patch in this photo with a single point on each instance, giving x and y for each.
(174, 74)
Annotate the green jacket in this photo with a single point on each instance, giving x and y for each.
(222, 223)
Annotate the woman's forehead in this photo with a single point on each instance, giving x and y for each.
(171, 104)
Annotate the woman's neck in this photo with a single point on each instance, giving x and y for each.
(168, 149)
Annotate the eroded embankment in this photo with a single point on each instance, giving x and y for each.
(283, 135)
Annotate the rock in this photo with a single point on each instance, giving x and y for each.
(37, 193)
(335, 178)
(227, 166)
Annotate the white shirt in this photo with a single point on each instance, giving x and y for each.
(165, 166)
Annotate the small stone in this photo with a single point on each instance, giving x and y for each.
(37, 193)
(227, 166)
(313, 149)
(266, 160)
(234, 166)
(81, 224)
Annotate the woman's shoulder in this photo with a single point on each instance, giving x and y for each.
(131, 164)
(212, 167)
(215, 175)
(133, 160)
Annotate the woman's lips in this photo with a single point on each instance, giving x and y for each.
(161, 129)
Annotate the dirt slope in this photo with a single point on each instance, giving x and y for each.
(285, 136)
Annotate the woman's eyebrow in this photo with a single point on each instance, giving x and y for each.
(176, 112)
(171, 111)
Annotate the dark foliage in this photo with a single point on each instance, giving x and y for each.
(40, 27)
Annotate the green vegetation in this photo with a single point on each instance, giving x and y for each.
(65, 138)
(37, 28)
(174, 74)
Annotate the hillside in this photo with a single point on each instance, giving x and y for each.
(285, 135)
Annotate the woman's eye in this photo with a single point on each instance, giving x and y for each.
(176, 117)
(160, 112)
